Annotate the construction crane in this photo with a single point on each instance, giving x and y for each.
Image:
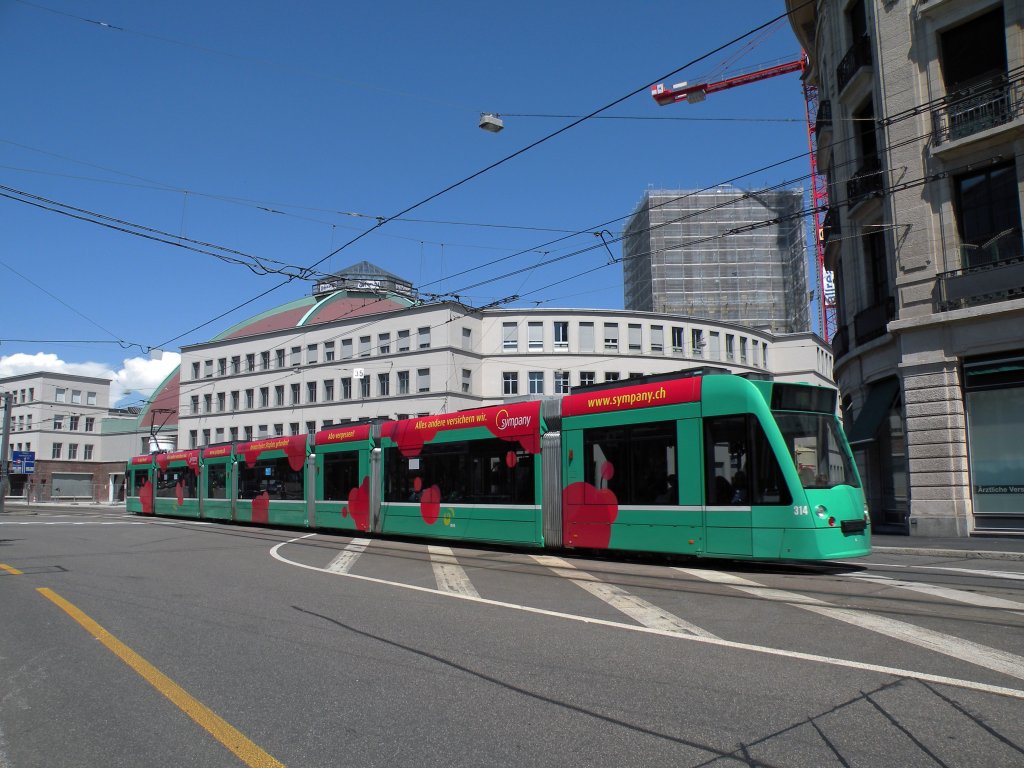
(694, 94)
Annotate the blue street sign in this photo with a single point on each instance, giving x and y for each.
(23, 462)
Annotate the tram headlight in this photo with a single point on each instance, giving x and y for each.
(821, 511)
(867, 515)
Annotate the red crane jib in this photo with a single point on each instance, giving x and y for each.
(665, 96)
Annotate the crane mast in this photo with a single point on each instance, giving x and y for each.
(694, 94)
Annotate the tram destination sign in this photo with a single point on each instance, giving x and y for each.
(23, 462)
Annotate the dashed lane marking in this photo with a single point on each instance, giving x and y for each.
(947, 593)
(451, 577)
(345, 559)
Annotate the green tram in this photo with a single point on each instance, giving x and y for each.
(700, 463)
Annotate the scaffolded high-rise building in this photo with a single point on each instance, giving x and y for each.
(712, 254)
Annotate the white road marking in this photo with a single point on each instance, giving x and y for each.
(970, 685)
(105, 522)
(1013, 575)
(947, 593)
(948, 645)
(345, 559)
(449, 574)
(635, 607)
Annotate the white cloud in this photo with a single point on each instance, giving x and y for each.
(133, 382)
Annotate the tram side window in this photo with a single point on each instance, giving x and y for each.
(637, 462)
(273, 476)
(490, 471)
(168, 481)
(141, 478)
(341, 475)
(216, 481)
(740, 467)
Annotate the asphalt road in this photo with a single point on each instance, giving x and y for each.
(142, 642)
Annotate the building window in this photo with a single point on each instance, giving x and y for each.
(611, 376)
(677, 340)
(467, 339)
(279, 430)
(265, 360)
(248, 434)
(988, 216)
(423, 380)
(730, 347)
(61, 395)
(56, 450)
(586, 337)
(264, 397)
(194, 400)
(364, 387)
(249, 402)
(193, 438)
(250, 361)
(586, 378)
(310, 427)
(561, 335)
(221, 398)
(218, 435)
(234, 400)
(207, 403)
(697, 342)
(73, 423)
(296, 356)
(72, 451)
(510, 383)
(346, 388)
(295, 393)
(657, 339)
(346, 349)
(467, 380)
(261, 431)
(743, 349)
(383, 384)
(536, 380)
(635, 338)
(222, 366)
(403, 382)
(384, 344)
(535, 335)
(236, 364)
(423, 340)
(232, 434)
(611, 337)
(195, 370)
(87, 455)
(328, 351)
(310, 391)
(561, 382)
(293, 428)
(279, 358)
(312, 355)
(364, 346)
(76, 396)
(510, 337)
(90, 423)
(328, 390)
(403, 341)
(208, 369)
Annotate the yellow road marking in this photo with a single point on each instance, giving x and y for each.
(244, 749)
(10, 570)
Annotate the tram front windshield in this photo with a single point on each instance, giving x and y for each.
(817, 448)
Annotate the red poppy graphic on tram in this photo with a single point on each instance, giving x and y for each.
(261, 508)
(430, 504)
(588, 514)
(179, 492)
(359, 505)
(146, 497)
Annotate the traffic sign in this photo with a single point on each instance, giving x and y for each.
(23, 462)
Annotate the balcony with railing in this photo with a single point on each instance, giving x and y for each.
(866, 182)
(857, 57)
(871, 323)
(993, 272)
(973, 110)
(823, 122)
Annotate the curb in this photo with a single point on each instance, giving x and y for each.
(980, 554)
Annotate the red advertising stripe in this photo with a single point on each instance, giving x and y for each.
(336, 435)
(516, 422)
(294, 448)
(189, 458)
(648, 395)
(141, 460)
(217, 452)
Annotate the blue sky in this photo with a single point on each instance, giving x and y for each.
(281, 130)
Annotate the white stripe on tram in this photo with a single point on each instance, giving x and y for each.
(948, 645)
(638, 609)
(344, 560)
(449, 574)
